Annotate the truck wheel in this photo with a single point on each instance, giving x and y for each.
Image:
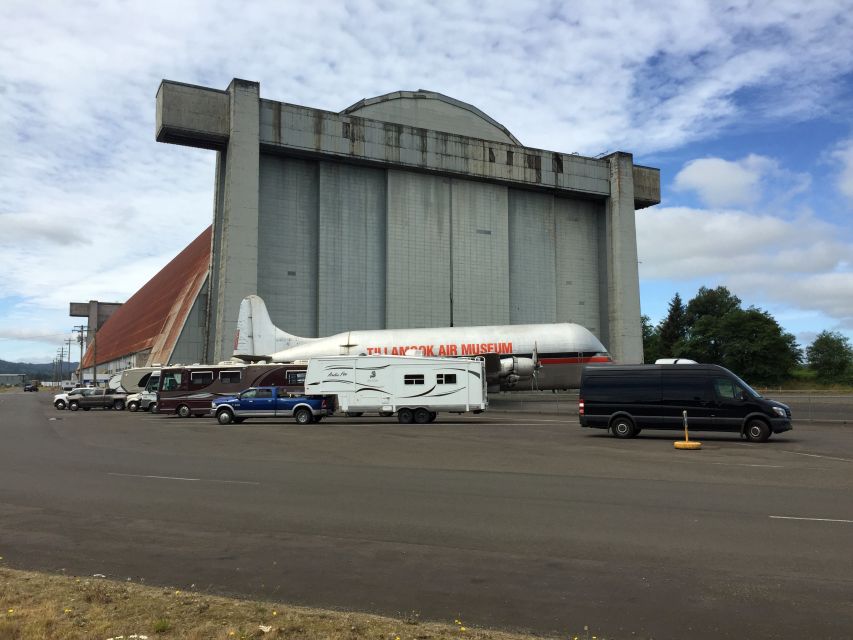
(118, 405)
(405, 416)
(433, 415)
(622, 427)
(757, 430)
(355, 414)
(152, 407)
(133, 406)
(421, 416)
(59, 404)
(224, 417)
(73, 405)
(303, 416)
(184, 411)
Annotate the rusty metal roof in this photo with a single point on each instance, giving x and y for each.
(154, 316)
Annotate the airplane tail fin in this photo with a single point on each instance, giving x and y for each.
(256, 334)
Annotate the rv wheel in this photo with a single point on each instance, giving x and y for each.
(622, 427)
(405, 416)
(184, 411)
(421, 416)
(433, 415)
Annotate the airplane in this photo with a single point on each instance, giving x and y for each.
(518, 356)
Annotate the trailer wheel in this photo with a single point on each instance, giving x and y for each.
(405, 416)
(303, 416)
(421, 416)
(133, 406)
(433, 415)
(225, 417)
(183, 411)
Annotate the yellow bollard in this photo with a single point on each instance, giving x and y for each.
(687, 443)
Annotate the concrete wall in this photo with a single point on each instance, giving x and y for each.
(577, 264)
(532, 257)
(190, 343)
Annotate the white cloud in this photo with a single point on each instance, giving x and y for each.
(800, 263)
(844, 156)
(96, 206)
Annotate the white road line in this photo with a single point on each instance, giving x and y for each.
(135, 475)
(744, 464)
(814, 455)
(811, 519)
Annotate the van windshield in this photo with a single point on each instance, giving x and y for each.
(749, 389)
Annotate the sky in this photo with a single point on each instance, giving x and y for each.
(744, 106)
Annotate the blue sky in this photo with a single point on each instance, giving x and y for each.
(744, 106)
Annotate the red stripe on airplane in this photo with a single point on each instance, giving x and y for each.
(575, 360)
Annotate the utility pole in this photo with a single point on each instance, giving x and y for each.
(68, 342)
(95, 357)
(79, 329)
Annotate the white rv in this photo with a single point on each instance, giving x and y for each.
(413, 387)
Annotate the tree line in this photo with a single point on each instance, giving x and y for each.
(714, 328)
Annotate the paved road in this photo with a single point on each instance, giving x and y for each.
(507, 520)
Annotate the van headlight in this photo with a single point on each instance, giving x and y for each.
(779, 411)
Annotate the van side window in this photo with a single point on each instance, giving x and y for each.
(686, 388)
(727, 390)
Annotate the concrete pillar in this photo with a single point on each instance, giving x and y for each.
(623, 283)
(235, 250)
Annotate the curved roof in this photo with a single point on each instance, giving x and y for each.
(154, 316)
(432, 110)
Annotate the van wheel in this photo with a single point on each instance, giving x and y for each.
(303, 416)
(623, 427)
(133, 406)
(184, 411)
(405, 416)
(757, 430)
(224, 417)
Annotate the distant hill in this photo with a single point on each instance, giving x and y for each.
(36, 371)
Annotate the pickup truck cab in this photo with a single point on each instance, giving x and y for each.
(97, 398)
(60, 400)
(271, 402)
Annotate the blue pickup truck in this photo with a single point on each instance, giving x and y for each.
(271, 402)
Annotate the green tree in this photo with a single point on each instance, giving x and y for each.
(651, 346)
(710, 302)
(673, 328)
(755, 347)
(830, 356)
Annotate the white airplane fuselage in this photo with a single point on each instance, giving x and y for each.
(557, 352)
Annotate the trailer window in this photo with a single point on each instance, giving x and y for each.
(295, 378)
(230, 377)
(201, 378)
(413, 378)
(445, 378)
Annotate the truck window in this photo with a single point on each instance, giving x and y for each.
(413, 378)
(264, 393)
(230, 377)
(251, 393)
(445, 378)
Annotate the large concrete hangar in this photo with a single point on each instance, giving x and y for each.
(411, 209)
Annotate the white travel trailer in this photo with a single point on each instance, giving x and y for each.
(414, 387)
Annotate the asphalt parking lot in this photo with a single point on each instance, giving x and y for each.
(512, 520)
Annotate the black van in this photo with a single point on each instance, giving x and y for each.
(629, 398)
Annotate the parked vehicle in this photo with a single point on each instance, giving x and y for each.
(271, 402)
(146, 398)
(60, 400)
(628, 398)
(414, 387)
(189, 390)
(97, 398)
(32, 386)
